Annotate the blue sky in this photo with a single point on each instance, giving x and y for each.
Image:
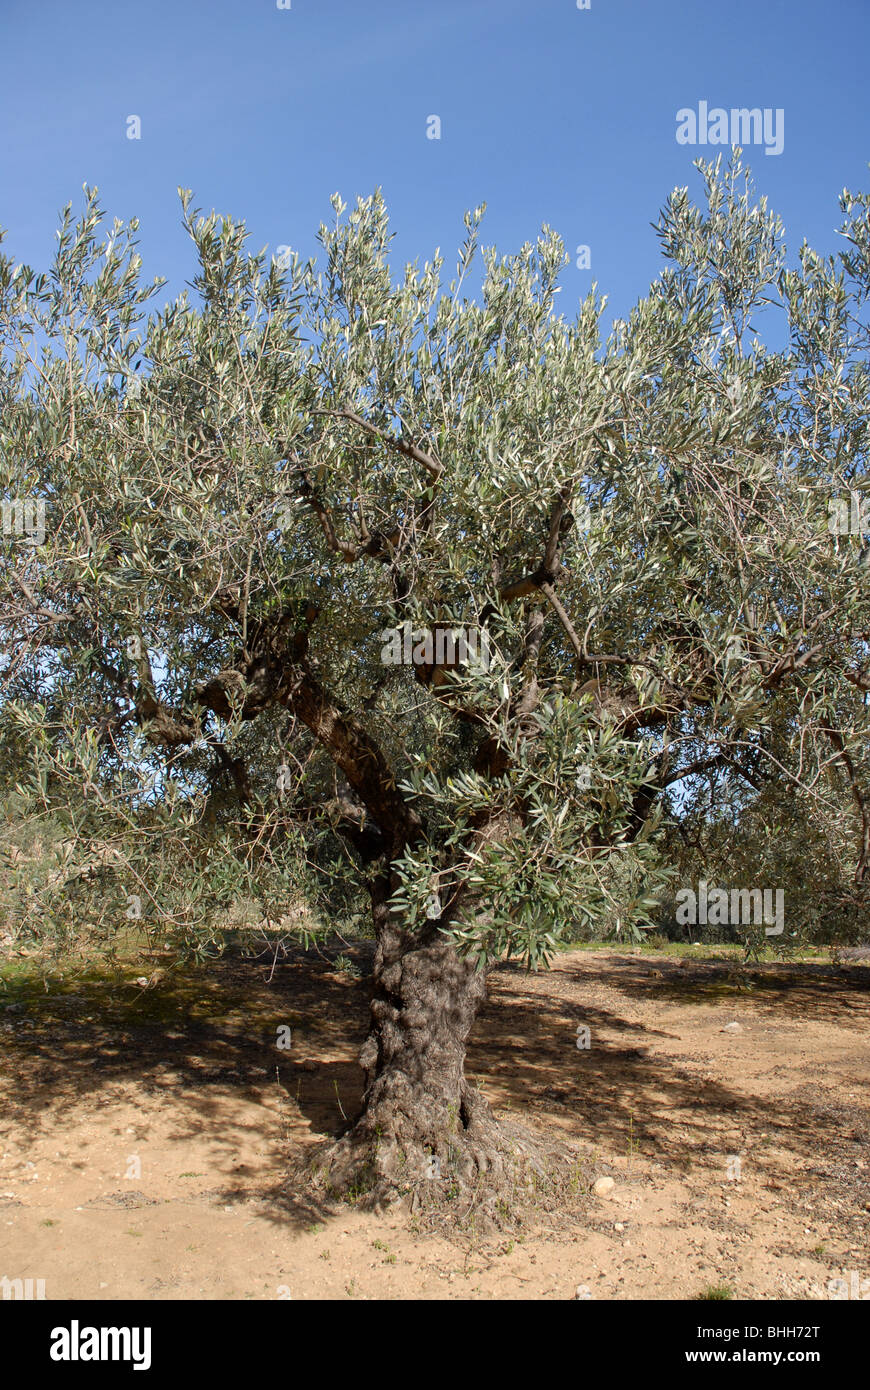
(549, 114)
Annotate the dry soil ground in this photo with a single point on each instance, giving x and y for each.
(145, 1132)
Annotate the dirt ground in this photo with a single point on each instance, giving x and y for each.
(146, 1129)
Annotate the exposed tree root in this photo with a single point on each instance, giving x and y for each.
(476, 1173)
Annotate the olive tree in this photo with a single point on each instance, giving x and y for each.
(444, 591)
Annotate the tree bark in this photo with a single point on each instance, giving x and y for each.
(423, 1127)
(424, 1003)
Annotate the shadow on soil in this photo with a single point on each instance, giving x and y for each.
(207, 1037)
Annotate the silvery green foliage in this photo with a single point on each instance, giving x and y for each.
(640, 524)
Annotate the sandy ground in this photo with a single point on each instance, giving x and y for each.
(145, 1133)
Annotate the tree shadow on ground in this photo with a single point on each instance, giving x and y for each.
(825, 993)
(207, 1040)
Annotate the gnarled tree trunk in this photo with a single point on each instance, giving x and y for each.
(425, 999)
(424, 1127)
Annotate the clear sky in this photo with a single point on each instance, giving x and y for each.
(549, 113)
